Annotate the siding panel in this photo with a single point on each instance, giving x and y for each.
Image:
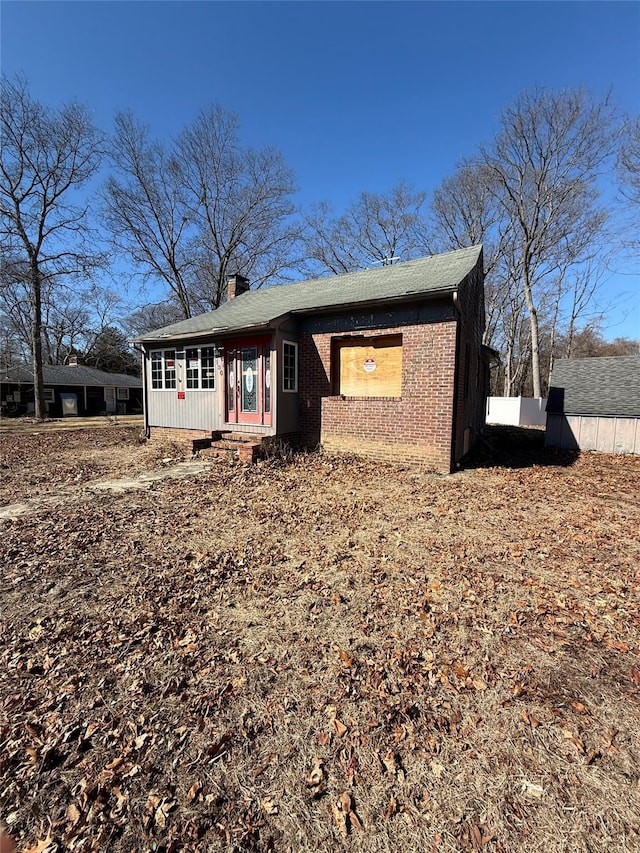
(605, 435)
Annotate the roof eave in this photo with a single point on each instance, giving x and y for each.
(206, 333)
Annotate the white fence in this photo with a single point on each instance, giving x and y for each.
(517, 411)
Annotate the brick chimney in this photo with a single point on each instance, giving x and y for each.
(236, 284)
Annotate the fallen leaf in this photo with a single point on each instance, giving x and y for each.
(161, 814)
(46, 845)
(269, 806)
(315, 778)
(532, 790)
(437, 769)
(194, 791)
(392, 808)
(340, 819)
(73, 814)
(593, 755)
(340, 728)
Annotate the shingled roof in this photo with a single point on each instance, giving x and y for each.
(66, 374)
(258, 308)
(596, 386)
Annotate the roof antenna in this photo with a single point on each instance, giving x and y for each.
(386, 262)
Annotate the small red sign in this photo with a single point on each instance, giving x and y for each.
(180, 395)
(369, 365)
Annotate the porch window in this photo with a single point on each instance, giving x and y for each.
(156, 369)
(289, 366)
(208, 362)
(122, 393)
(169, 368)
(193, 368)
(49, 395)
(163, 369)
(367, 366)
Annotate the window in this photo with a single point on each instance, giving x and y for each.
(169, 368)
(199, 368)
(367, 366)
(267, 379)
(163, 369)
(208, 362)
(289, 366)
(122, 393)
(193, 368)
(49, 395)
(156, 370)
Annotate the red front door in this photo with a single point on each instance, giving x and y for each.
(248, 381)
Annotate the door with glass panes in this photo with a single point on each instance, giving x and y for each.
(248, 381)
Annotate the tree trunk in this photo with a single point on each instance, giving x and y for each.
(535, 348)
(506, 389)
(36, 340)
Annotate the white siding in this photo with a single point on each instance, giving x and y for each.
(198, 410)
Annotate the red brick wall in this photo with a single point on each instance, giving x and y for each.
(413, 428)
(177, 434)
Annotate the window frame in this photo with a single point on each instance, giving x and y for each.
(382, 340)
(49, 395)
(207, 383)
(165, 378)
(193, 375)
(156, 361)
(170, 372)
(286, 378)
(122, 393)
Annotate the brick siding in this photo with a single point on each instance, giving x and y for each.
(415, 428)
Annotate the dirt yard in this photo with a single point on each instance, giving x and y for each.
(318, 654)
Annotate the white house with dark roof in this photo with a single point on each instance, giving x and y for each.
(594, 404)
(386, 362)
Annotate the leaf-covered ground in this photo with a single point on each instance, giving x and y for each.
(320, 654)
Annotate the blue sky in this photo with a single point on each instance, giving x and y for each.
(357, 96)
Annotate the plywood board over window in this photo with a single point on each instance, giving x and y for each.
(369, 366)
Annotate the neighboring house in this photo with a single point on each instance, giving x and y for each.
(387, 363)
(594, 404)
(70, 389)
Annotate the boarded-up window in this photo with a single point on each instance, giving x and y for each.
(368, 366)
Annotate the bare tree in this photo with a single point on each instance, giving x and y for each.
(464, 213)
(192, 213)
(240, 201)
(544, 163)
(588, 342)
(146, 209)
(375, 229)
(46, 154)
(628, 165)
(152, 316)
